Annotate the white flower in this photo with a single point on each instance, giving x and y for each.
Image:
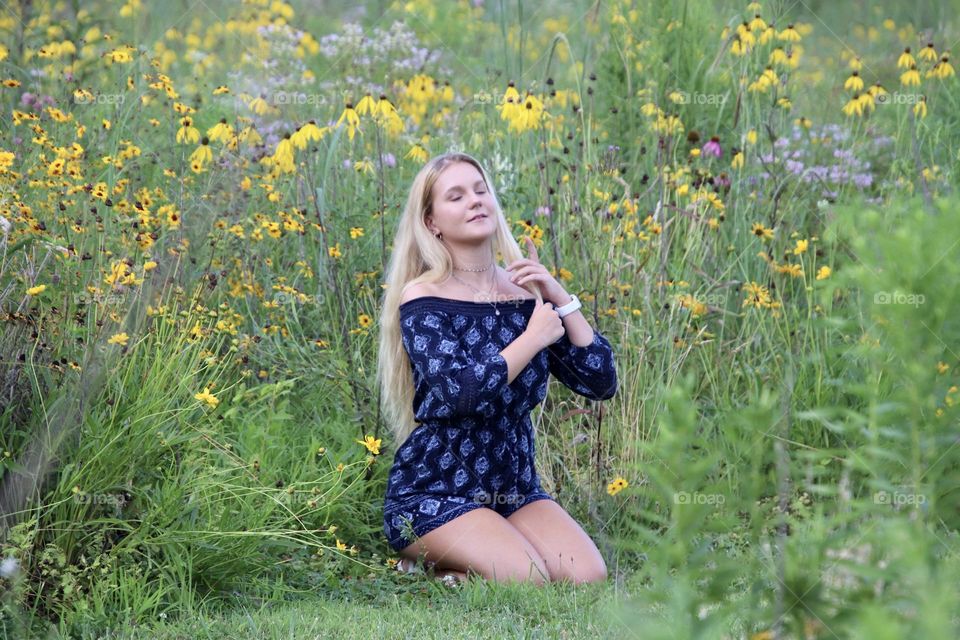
(9, 567)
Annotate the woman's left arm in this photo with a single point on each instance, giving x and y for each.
(582, 358)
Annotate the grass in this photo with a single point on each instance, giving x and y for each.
(787, 411)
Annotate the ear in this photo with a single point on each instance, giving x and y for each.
(430, 226)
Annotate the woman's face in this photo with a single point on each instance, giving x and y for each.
(463, 209)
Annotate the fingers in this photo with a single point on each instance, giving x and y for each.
(531, 248)
(538, 269)
(522, 262)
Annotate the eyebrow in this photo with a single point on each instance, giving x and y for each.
(459, 188)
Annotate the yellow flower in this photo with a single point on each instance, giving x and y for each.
(920, 109)
(40, 288)
(942, 367)
(854, 106)
(282, 157)
(220, 132)
(823, 273)
(334, 251)
(738, 47)
(356, 232)
(853, 83)
(259, 106)
(800, 248)
(366, 105)
(364, 165)
(736, 162)
(616, 486)
(761, 231)
(928, 53)
(206, 396)
(944, 69)
(790, 34)
(201, 156)
(352, 119)
(905, 61)
(386, 115)
(372, 445)
(340, 545)
(417, 153)
(187, 133)
(910, 77)
(119, 338)
(309, 132)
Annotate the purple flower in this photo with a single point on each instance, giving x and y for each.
(713, 148)
(543, 211)
(389, 160)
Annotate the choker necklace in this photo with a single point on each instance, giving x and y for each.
(487, 293)
(475, 270)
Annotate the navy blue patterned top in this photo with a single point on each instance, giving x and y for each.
(474, 445)
(459, 374)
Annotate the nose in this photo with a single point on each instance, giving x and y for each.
(474, 200)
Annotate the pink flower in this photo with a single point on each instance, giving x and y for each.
(713, 148)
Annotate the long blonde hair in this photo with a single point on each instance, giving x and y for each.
(418, 256)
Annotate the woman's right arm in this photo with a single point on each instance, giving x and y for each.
(543, 329)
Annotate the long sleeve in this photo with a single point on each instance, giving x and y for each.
(588, 371)
(449, 381)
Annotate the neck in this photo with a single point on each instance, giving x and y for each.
(472, 259)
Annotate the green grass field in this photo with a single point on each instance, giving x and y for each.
(755, 202)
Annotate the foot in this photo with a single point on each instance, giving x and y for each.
(451, 578)
(405, 565)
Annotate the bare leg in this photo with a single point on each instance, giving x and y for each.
(568, 551)
(482, 542)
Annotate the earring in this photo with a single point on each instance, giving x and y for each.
(438, 236)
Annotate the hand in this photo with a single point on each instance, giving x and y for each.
(545, 324)
(530, 270)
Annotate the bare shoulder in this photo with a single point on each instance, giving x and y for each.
(418, 290)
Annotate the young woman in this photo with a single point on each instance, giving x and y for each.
(466, 348)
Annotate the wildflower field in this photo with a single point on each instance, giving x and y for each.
(755, 201)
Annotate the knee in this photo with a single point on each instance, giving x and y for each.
(531, 570)
(583, 574)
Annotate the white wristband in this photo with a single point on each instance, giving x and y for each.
(570, 307)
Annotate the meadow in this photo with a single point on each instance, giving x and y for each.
(755, 201)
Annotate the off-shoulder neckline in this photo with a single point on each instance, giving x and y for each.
(465, 304)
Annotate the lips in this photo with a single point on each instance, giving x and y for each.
(477, 217)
